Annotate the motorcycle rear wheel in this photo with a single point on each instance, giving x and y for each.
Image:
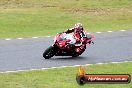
(75, 55)
(49, 52)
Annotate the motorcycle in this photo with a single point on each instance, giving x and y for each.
(65, 45)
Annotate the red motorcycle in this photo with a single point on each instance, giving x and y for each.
(65, 45)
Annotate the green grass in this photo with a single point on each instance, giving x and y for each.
(63, 77)
(26, 18)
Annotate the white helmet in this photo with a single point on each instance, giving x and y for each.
(78, 27)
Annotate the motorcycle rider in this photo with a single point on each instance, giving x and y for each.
(79, 34)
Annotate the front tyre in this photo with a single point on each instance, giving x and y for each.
(49, 52)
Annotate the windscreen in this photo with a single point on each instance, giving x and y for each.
(62, 37)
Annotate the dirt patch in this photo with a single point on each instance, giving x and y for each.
(24, 4)
(98, 11)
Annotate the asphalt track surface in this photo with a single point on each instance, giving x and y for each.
(27, 53)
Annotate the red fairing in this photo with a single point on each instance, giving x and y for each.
(80, 43)
(55, 38)
(92, 35)
(61, 43)
(68, 40)
(77, 36)
(66, 44)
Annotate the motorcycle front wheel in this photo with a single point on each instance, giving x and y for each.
(49, 52)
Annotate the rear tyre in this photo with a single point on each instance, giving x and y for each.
(49, 52)
(75, 55)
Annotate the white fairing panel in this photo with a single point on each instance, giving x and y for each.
(71, 37)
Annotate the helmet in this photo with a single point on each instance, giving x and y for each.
(78, 27)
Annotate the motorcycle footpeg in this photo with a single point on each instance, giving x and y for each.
(92, 42)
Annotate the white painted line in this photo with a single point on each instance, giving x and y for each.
(64, 67)
(109, 31)
(106, 63)
(126, 61)
(43, 68)
(99, 63)
(33, 69)
(50, 36)
(34, 37)
(122, 30)
(88, 33)
(47, 36)
(98, 32)
(10, 71)
(19, 38)
(8, 39)
(21, 70)
(88, 64)
(76, 65)
(115, 62)
(55, 67)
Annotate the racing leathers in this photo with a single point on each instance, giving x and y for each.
(80, 38)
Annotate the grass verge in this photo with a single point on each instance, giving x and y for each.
(24, 18)
(63, 77)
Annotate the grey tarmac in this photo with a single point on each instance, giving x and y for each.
(26, 54)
